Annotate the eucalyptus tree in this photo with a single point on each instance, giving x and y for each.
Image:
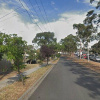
(98, 36)
(80, 34)
(98, 3)
(70, 43)
(45, 41)
(93, 16)
(96, 48)
(91, 30)
(44, 38)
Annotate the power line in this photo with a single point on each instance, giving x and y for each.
(8, 18)
(35, 12)
(41, 12)
(29, 15)
(9, 13)
(45, 13)
(31, 11)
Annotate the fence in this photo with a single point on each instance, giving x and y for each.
(5, 66)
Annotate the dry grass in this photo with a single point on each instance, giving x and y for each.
(95, 66)
(55, 61)
(15, 90)
(28, 66)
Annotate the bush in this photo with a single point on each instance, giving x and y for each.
(58, 55)
(40, 61)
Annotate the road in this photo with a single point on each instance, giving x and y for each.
(69, 81)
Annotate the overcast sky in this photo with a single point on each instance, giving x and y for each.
(28, 17)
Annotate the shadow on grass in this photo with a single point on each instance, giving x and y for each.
(16, 78)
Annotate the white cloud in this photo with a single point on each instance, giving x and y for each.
(52, 2)
(61, 27)
(64, 26)
(77, 0)
(15, 25)
(94, 4)
(3, 4)
(36, 20)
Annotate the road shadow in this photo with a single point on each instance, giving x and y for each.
(87, 78)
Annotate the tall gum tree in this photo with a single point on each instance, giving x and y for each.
(45, 41)
(70, 43)
(44, 38)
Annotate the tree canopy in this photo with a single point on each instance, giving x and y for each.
(16, 50)
(47, 51)
(96, 48)
(70, 43)
(44, 38)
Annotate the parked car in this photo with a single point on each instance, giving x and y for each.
(84, 56)
(97, 58)
(91, 57)
(31, 61)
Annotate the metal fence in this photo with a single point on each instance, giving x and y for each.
(5, 66)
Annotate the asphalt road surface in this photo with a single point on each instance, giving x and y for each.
(69, 81)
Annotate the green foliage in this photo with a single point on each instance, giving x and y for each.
(98, 3)
(40, 61)
(31, 52)
(58, 55)
(93, 16)
(85, 32)
(98, 36)
(70, 43)
(96, 48)
(44, 38)
(12, 46)
(3, 46)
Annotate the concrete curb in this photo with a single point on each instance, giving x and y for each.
(31, 90)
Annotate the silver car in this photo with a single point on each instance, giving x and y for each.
(97, 58)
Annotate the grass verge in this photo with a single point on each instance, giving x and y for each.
(95, 66)
(15, 90)
(28, 66)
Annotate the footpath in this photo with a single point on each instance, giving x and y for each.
(12, 79)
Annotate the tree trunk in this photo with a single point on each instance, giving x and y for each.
(88, 52)
(20, 75)
(80, 48)
(18, 69)
(47, 60)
